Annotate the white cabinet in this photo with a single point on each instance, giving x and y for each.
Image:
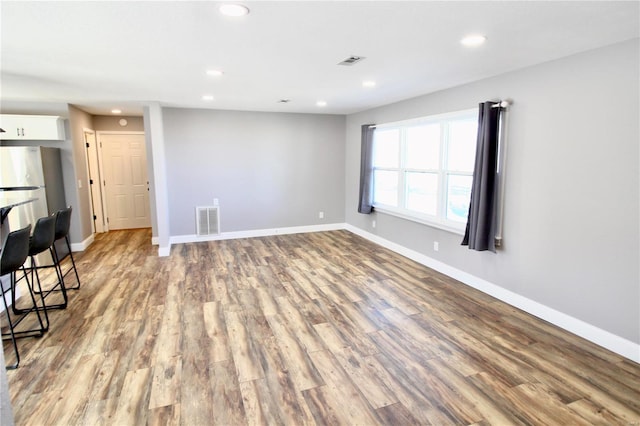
(32, 127)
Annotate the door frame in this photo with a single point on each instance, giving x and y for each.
(97, 216)
(103, 191)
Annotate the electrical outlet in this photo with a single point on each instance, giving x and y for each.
(436, 245)
(320, 215)
(215, 202)
(373, 223)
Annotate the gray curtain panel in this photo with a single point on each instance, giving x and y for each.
(480, 232)
(366, 170)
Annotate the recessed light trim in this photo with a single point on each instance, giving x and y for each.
(116, 111)
(234, 10)
(368, 83)
(214, 73)
(321, 103)
(207, 98)
(473, 40)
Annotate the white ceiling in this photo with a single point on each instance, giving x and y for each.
(101, 55)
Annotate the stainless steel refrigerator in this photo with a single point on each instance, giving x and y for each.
(32, 172)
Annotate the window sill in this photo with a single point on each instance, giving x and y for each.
(423, 221)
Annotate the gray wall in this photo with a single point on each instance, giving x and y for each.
(81, 227)
(571, 228)
(111, 123)
(268, 170)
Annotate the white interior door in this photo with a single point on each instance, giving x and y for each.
(125, 180)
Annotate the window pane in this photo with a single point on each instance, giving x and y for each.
(461, 151)
(386, 148)
(423, 147)
(422, 192)
(458, 197)
(385, 187)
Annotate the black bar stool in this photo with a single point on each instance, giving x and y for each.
(62, 247)
(42, 240)
(14, 254)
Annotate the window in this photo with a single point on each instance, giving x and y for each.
(422, 169)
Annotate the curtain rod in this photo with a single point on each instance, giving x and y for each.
(498, 104)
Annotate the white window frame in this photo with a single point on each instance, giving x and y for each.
(439, 220)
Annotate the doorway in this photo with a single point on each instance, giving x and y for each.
(125, 181)
(95, 192)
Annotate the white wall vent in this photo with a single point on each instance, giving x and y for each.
(207, 220)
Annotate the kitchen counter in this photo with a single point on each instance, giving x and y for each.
(7, 202)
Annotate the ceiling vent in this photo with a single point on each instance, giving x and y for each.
(351, 60)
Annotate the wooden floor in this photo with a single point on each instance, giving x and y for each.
(323, 328)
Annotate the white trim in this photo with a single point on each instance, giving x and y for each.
(610, 341)
(82, 246)
(192, 238)
(432, 222)
(402, 170)
(164, 251)
(156, 134)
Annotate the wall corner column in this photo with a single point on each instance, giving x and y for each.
(156, 130)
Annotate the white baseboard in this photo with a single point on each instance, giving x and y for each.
(164, 251)
(614, 343)
(82, 246)
(192, 238)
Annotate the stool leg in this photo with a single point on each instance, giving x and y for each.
(58, 262)
(26, 333)
(35, 308)
(73, 263)
(44, 294)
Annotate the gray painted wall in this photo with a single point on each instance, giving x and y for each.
(81, 227)
(268, 170)
(111, 123)
(571, 228)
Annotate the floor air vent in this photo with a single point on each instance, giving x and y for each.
(207, 220)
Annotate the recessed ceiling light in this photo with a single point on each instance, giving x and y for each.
(207, 97)
(321, 103)
(473, 40)
(116, 111)
(368, 83)
(214, 73)
(234, 9)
